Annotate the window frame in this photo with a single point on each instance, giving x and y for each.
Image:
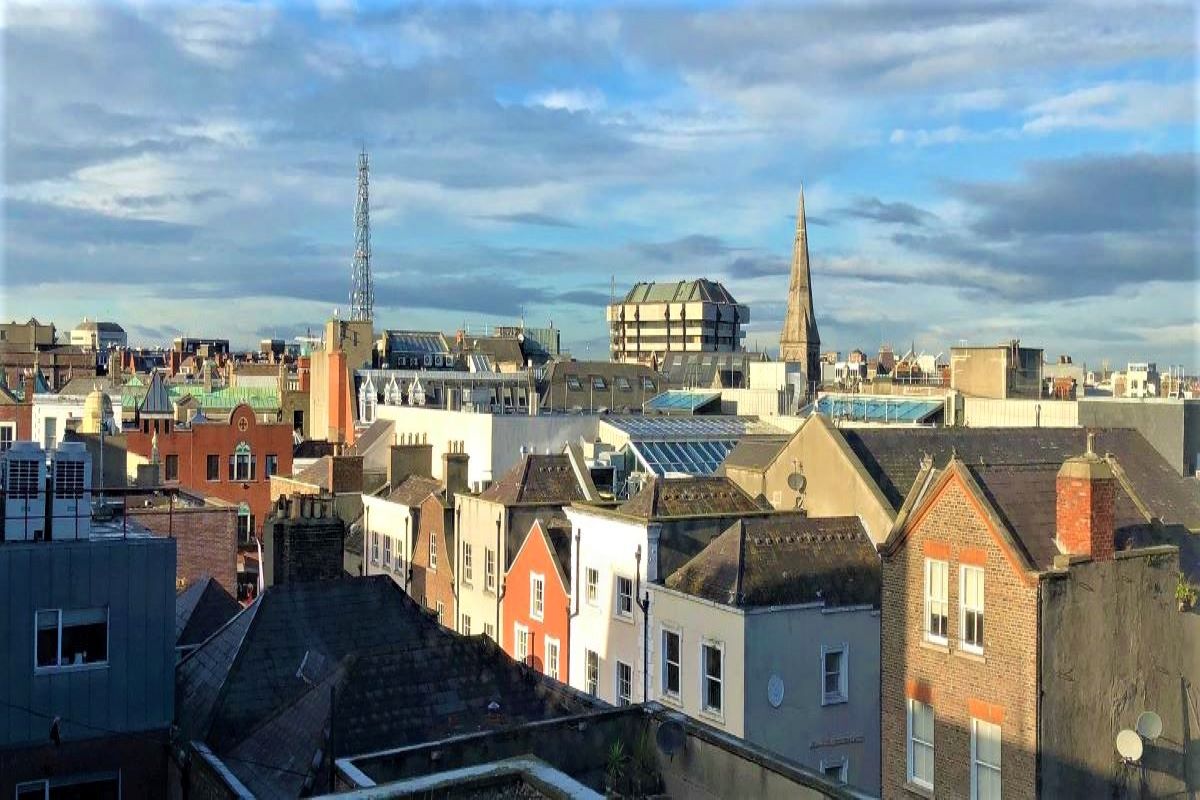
(271, 464)
(440, 609)
(591, 586)
(963, 609)
(942, 639)
(976, 762)
(489, 570)
(911, 740)
(706, 709)
(374, 547)
(9, 428)
(841, 763)
(591, 672)
(387, 551)
(59, 666)
(537, 596)
(243, 463)
(464, 625)
(665, 663)
(468, 564)
(842, 695)
(433, 551)
(573, 383)
(627, 699)
(520, 643)
(212, 460)
(617, 597)
(552, 644)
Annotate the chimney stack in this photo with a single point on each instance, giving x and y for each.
(454, 470)
(409, 456)
(1086, 492)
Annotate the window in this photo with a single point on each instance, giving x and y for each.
(593, 585)
(624, 684)
(936, 591)
(466, 625)
(834, 768)
(920, 744)
(242, 463)
(647, 384)
(670, 668)
(441, 612)
(573, 383)
(489, 569)
(271, 465)
(521, 643)
(710, 665)
(985, 760)
(71, 637)
(598, 383)
(624, 596)
(246, 525)
(552, 657)
(433, 550)
(374, 547)
(833, 675)
(970, 595)
(623, 383)
(50, 432)
(591, 662)
(468, 567)
(489, 630)
(171, 463)
(8, 434)
(387, 551)
(537, 596)
(213, 471)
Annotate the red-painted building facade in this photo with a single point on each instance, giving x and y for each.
(537, 600)
(232, 460)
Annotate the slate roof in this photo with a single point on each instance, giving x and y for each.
(754, 453)
(157, 399)
(378, 433)
(537, 479)
(785, 559)
(400, 679)
(414, 489)
(316, 473)
(893, 457)
(201, 609)
(697, 290)
(688, 497)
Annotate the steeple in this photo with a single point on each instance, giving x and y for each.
(799, 341)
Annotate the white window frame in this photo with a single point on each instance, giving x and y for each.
(70, 667)
(468, 564)
(374, 547)
(592, 586)
(537, 596)
(553, 664)
(11, 428)
(617, 595)
(465, 624)
(678, 664)
(911, 741)
(387, 551)
(591, 672)
(627, 699)
(719, 710)
(977, 763)
(964, 608)
(441, 612)
(520, 643)
(842, 695)
(489, 630)
(243, 459)
(931, 600)
(489, 569)
(842, 763)
(433, 551)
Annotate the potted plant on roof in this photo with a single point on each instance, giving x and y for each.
(1185, 592)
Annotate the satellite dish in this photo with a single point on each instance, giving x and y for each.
(797, 482)
(775, 691)
(670, 737)
(1129, 745)
(1149, 725)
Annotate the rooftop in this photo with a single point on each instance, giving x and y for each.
(699, 290)
(688, 497)
(537, 479)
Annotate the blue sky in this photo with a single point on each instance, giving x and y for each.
(972, 171)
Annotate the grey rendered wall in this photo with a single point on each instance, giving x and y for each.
(135, 579)
(1114, 645)
(788, 644)
(1162, 423)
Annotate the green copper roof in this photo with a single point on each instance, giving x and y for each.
(258, 398)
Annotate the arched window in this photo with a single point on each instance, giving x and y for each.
(241, 463)
(245, 523)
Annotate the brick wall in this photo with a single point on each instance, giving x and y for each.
(205, 541)
(1085, 511)
(1000, 684)
(431, 586)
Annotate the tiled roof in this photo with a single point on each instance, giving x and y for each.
(541, 479)
(893, 457)
(688, 497)
(785, 559)
(201, 609)
(414, 489)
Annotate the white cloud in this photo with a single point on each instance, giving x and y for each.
(1114, 106)
(220, 34)
(571, 100)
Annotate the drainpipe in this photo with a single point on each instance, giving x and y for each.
(644, 605)
(572, 614)
(499, 585)
(457, 566)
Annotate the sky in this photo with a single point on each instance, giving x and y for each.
(972, 172)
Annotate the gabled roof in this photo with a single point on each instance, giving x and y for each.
(377, 434)
(315, 474)
(892, 458)
(755, 453)
(201, 609)
(785, 559)
(688, 497)
(413, 490)
(537, 479)
(157, 399)
(555, 534)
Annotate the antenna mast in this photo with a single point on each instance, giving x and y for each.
(362, 293)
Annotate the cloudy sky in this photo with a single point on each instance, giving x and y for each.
(971, 172)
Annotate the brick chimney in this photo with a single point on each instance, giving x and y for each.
(1086, 492)
(454, 470)
(411, 455)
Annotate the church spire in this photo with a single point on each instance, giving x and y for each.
(799, 341)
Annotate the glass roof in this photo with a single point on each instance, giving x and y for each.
(878, 409)
(678, 428)
(680, 400)
(416, 342)
(690, 457)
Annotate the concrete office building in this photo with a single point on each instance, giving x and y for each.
(653, 319)
(999, 371)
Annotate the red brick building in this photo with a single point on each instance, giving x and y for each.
(536, 606)
(433, 558)
(231, 460)
(16, 414)
(1063, 563)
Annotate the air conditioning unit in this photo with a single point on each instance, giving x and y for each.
(24, 474)
(71, 493)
